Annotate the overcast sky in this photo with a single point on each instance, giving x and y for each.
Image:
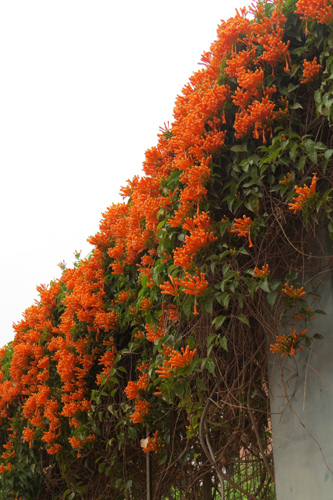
(84, 88)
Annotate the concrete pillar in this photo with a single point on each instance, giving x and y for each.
(301, 399)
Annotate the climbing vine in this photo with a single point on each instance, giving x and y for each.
(161, 336)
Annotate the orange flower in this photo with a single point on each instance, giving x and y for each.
(171, 288)
(132, 390)
(173, 313)
(123, 296)
(181, 360)
(287, 344)
(158, 393)
(194, 285)
(263, 273)
(195, 312)
(311, 10)
(311, 70)
(293, 294)
(141, 409)
(286, 179)
(152, 444)
(304, 194)
(28, 434)
(145, 304)
(198, 239)
(243, 228)
(165, 371)
(153, 335)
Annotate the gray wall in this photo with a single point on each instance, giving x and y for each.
(301, 398)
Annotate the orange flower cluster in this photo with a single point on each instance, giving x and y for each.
(304, 194)
(165, 371)
(133, 388)
(201, 236)
(311, 70)
(79, 442)
(152, 444)
(171, 288)
(293, 293)
(173, 313)
(286, 180)
(141, 409)
(107, 362)
(132, 391)
(287, 344)
(176, 359)
(145, 304)
(154, 332)
(123, 296)
(257, 110)
(43, 348)
(263, 273)
(319, 10)
(242, 227)
(194, 285)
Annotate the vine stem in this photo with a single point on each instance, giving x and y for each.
(209, 453)
(255, 428)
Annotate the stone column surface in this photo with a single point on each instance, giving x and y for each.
(301, 400)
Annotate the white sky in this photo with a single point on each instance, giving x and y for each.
(84, 87)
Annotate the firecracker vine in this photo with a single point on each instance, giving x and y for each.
(161, 336)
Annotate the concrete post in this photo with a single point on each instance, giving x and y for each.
(301, 399)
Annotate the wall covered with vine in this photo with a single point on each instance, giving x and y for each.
(158, 342)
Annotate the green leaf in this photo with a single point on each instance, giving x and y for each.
(307, 341)
(211, 338)
(225, 299)
(297, 105)
(310, 148)
(243, 319)
(317, 96)
(132, 432)
(223, 343)
(108, 471)
(180, 389)
(239, 148)
(264, 285)
(319, 311)
(201, 385)
(292, 276)
(101, 467)
(208, 304)
(219, 321)
(161, 224)
(292, 87)
(210, 365)
(187, 307)
(191, 341)
(162, 458)
(271, 298)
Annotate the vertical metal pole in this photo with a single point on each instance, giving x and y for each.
(149, 473)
